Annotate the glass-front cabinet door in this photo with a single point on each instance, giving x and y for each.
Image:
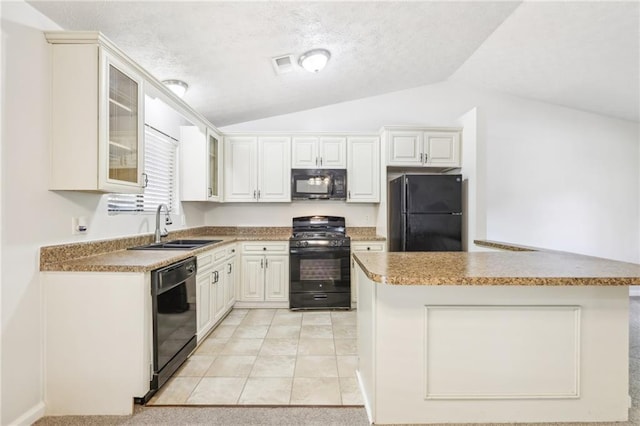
(215, 162)
(123, 127)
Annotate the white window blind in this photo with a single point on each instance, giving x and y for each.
(160, 168)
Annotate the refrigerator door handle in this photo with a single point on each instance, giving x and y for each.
(404, 232)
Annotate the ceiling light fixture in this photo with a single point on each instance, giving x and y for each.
(178, 87)
(314, 60)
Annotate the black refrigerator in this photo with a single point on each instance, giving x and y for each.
(425, 213)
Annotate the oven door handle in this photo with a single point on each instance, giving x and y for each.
(313, 250)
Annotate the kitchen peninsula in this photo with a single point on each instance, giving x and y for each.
(480, 337)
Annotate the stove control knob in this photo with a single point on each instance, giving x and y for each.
(305, 243)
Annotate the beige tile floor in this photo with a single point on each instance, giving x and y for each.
(271, 357)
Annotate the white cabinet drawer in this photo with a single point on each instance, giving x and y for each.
(219, 254)
(265, 247)
(205, 260)
(211, 257)
(367, 246)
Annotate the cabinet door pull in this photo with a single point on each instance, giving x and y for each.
(266, 263)
(210, 192)
(258, 194)
(261, 263)
(229, 268)
(349, 194)
(321, 161)
(426, 158)
(145, 180)
(316, 161)
(254, 194)
(421, 155)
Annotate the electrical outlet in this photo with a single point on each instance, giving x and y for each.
(78, 225)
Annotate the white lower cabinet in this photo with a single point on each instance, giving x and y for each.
(265, 273)
(362, 246)
(231, 279)
(215, 288)
(203, 303)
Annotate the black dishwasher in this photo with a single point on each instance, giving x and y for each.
(173, 291)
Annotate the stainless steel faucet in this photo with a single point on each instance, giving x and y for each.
(167, 221)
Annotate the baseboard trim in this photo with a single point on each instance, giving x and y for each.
(34, 414)
(634, 290)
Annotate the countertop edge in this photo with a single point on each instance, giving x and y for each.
(508, 281)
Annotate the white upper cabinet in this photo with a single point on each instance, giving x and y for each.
(363, 170)
(319, 152)
(257, 169)
(304, 152)
(423, 148)
(442, 149)
(241, 168)
(405, 148)
(97, 118)
(274, 169)
(201, 160)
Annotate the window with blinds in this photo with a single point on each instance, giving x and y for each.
(160, 168)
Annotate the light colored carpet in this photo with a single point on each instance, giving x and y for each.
(337, 416)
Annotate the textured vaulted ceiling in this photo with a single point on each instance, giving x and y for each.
(224, 49)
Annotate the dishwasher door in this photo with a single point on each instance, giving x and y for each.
(173, 291)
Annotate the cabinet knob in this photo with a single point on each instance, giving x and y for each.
(368, 248)
(264, 248)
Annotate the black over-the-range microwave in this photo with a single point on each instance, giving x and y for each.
(318, 184)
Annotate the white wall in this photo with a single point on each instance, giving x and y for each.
(31, 215)
(554, 177)
(280, 214)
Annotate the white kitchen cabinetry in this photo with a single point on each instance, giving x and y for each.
(362, 246)
(201, 160)
(257, 169)
(363, 170)
(319, 152)
(231, 279)
(97, 117)
(423, 148)
(98, 333)
(265, 274)
(215, 288)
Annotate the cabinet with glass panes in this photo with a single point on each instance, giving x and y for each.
(98, 118)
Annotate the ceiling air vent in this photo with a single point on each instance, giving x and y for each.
(283, 64)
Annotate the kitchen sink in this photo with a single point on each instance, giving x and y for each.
(176, 245)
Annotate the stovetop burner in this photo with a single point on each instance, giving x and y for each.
(319, 231)
(315, 235)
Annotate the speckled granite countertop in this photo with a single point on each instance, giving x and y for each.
(496, 268)
(112, 255)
